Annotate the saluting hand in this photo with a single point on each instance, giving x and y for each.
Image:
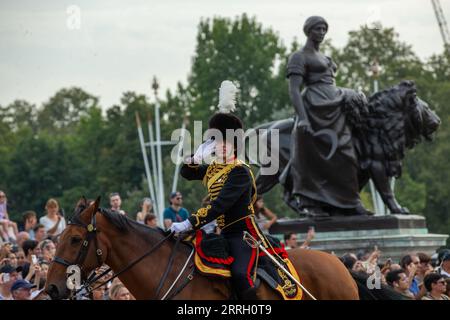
(178, 227)
(204, 150)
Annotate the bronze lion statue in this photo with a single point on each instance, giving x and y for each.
(383, 128)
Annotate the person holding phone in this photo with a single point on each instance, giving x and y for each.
(146, 209)
(265, 218)
(8, 275)
(309, 237)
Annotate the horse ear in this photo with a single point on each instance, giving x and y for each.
(82, 202)
(93, 208)
(96, 204)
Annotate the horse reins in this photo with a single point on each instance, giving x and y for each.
(91, 235)
(163, 278)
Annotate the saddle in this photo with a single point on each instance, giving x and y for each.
(212, 258)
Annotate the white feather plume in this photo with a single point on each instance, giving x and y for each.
(227, 96)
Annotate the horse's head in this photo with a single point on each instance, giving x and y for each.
(420, 120)
(78, 245)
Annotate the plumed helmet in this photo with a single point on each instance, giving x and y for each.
(224, 119)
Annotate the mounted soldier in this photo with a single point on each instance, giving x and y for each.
(232, 192)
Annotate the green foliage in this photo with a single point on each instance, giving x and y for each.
(243, 51)
(411, 193)
(364, 47)
(65, 109)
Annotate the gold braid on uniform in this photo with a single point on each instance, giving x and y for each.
(213, 190)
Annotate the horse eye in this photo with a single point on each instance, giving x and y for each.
(75, 240)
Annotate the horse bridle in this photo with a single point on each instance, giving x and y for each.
(91, 236)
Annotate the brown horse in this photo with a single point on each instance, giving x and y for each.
(117, 240)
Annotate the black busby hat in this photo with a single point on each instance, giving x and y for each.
(223, 121)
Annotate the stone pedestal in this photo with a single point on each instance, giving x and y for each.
(394, 235)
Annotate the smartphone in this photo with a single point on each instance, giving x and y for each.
(34, 259)
(6, 277)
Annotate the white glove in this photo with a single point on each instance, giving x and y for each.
(210, 226)
(204, 150)
(178, 227)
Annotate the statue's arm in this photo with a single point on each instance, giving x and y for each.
(295, 84)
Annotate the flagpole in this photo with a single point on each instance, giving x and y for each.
(178, 162)
(155, 87)
(144, 155)
(153, 159)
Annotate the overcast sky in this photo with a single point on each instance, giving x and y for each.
(120, 45)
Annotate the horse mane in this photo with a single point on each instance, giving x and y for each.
(119, 221)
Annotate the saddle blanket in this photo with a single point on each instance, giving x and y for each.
(212, 258)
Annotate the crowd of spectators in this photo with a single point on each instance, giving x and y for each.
(416, 276)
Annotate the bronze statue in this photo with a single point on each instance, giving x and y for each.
(321, 178)
(338, 140)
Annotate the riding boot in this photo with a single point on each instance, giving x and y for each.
(249, 294)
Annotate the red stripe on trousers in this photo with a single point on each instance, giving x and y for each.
(252, 258)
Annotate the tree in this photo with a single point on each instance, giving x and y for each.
(240, 50)
(20, 114)
(364, 47)
(65, 109)
(37, 171)
(121, 158)
(428, 164)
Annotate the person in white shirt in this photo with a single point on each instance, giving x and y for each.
(53, 222)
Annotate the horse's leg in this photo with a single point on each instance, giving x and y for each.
(323, 275)
(383, 186)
